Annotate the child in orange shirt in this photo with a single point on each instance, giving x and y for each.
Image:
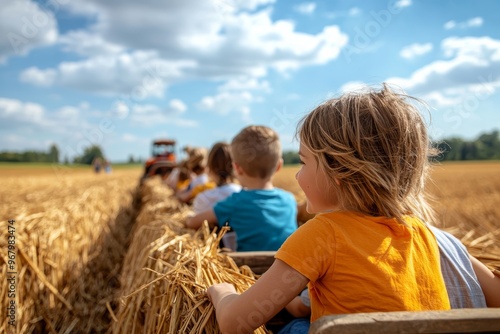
(364, 164)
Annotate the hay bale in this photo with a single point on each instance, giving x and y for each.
(168, 269)
(71, 235)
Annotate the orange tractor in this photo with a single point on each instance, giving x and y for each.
(163, 158)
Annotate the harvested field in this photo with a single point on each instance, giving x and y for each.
(71, 233)
(97, 254)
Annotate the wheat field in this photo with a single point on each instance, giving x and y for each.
(78, 236)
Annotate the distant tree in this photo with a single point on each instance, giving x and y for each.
(131, 159)
(488, 145)
(291, 158)
(53, 153)
(89, 154)
(485, 147)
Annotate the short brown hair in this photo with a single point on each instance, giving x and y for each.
(257, 149)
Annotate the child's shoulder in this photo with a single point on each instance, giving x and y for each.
(285, 194)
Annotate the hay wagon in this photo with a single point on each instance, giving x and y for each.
(483, 320)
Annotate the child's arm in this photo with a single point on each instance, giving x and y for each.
(490, 283)
(185, 195)
(197, 220)
(253, 308)
(297, 308)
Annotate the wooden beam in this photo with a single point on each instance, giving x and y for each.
(259, 261)
(453, 321)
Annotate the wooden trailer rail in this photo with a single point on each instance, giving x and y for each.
(480, 320)
(259, 261)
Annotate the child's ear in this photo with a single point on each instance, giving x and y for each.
(237, 169)
(280, 164)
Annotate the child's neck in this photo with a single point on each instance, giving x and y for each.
(256, 183)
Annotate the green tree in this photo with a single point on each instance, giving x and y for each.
(53, 153)
(291, 158)
(89, 154)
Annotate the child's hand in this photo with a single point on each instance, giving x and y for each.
(218, 291)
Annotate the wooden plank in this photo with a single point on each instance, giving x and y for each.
(259, 261)
(452, 321)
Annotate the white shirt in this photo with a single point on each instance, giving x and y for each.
(207, 199)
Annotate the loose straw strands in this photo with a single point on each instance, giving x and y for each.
(168, 269)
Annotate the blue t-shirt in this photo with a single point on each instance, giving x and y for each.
(262, 218)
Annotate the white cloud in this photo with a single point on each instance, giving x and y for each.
(129, 138)
(120, 110)
(69, 113)
(150, 114)
(306, 8)
(234, 44)
(64, 125)
(235, 96)
(471, 23)
(188, 39)
(24, 26)
(37, 77)
(473, 66)
(450, 25)
(354, 11)
(243, 83)
(87, 44)
(231, 6)
(469, 76)
(139, 75)
(352, 86)
(403, 3)
(15, 113)
(414, 50)
(177, 106)
(351, 12)
(225, 103)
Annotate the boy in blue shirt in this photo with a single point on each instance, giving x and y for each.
(261, 216)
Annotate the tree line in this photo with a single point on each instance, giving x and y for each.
(52, 155)
(485, 147)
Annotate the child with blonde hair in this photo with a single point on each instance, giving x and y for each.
(365, 160)
(262, 216)
(199, 182)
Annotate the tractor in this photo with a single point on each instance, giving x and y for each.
(163, 159)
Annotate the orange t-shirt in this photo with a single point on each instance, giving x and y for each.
(358, 263)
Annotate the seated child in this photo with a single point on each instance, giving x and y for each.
(220, 170)
(197, 164)
(364, 159)
(262, 216)
(463, 287)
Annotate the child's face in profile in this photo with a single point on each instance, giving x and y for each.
(315, 184)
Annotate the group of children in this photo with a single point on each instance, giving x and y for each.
(371, 245)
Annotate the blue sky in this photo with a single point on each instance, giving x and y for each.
(121, 73)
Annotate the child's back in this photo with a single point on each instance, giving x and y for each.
(262, 218)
